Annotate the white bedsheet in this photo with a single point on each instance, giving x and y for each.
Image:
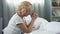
(53, 27)
(50, 28)
(42, 32)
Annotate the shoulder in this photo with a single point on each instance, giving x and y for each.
(42, 19)
(15, 17)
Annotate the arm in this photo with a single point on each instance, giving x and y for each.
(28, 29)
(25, 28)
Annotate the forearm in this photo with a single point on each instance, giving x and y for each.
(30, 26)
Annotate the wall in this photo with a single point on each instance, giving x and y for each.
(8, 11)
(1, 10)
(0, 25)
(47, 9)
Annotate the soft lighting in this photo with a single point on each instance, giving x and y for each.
(16, 2)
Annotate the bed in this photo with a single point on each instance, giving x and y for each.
(50, 28)
(45, 26)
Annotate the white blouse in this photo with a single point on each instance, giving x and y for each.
(11, 27)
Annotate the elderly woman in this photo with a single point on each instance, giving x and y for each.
(17, 25)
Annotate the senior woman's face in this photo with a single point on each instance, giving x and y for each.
(28, 11)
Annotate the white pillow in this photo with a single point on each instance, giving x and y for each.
(53, 27)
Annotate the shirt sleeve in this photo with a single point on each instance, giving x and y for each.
(18, 20)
